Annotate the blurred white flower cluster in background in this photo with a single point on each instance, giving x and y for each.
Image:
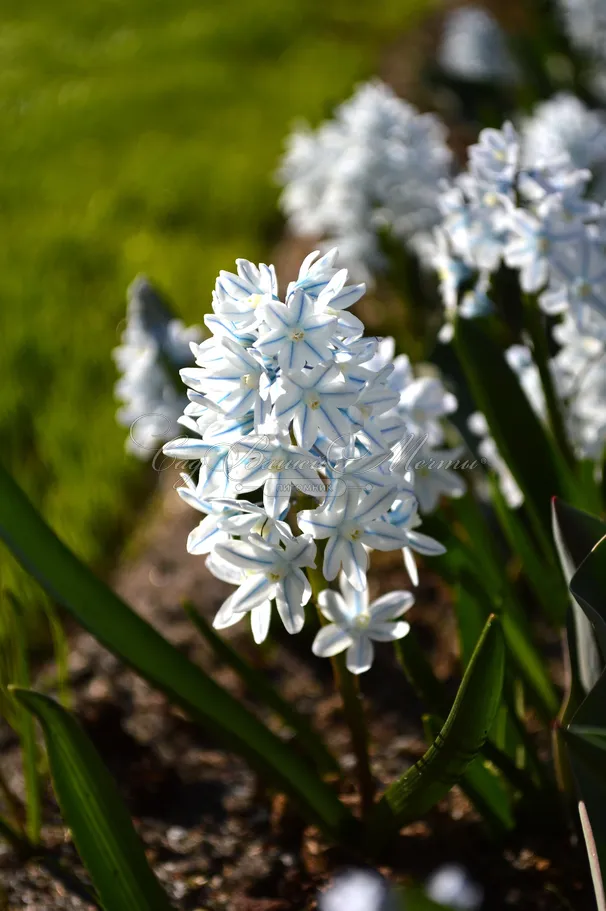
(450, 886)
(376, 166)
(359, 890)
(153, 348)
(534, 216)
(474, 47)
(585, 24)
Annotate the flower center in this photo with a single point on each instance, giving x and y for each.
(262, 527)
(313, 402)
(355, 534)
(274, 575)
(278, 463)
(543, 245)
(249, 381)
(297, 335)
(362, 621)
(255, 299)
(582, 288)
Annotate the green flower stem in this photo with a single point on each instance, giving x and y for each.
(353, 707)
(538, 337)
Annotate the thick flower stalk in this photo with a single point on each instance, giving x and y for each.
(154, 347)
(310, 447)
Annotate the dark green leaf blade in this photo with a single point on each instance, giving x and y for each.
(576, 533)
(458, 743)
(548, 586)
(137, 643)
(519, 435)
(484, 788)
(588, 585)
(432, 693)
(92, 808)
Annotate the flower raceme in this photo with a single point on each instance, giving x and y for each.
(526, 200)
(153, 347)
(297, 424)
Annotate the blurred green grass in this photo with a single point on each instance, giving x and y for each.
(138, 136)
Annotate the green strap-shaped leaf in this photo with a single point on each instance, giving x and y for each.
(576, 533)
(588, 585)
(137, 643)
(590, 743)
(484, 787)
(94, 811)
(458, 743)
(482, 573)
(261, 687)
(471, 618)
(521, 439)
(518, 637)
(432, 694)
(548, 586)
(586, 736)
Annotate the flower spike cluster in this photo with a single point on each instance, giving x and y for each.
(522, 202)
(153, 348)
(376, 166)
(533, 216)
(310, 445)
(474, 48)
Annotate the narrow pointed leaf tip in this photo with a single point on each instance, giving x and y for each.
(91, 806)
(457, 744)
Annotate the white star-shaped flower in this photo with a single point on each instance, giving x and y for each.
(298, 334)
(315, 403)
(355, 624)
(351, 530)
(270, 571)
